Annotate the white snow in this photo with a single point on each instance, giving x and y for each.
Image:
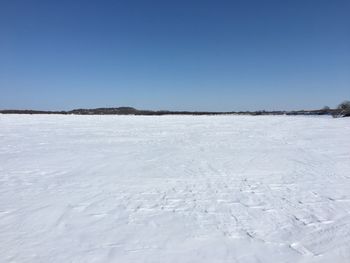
(174, 189)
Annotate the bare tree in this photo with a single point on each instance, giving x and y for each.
(326, 110)
(344, 108)
(344, 105)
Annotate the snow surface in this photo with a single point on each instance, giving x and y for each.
(174, 189)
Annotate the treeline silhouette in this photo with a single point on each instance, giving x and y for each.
(341, 111)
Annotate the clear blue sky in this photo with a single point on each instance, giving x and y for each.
(176, 55)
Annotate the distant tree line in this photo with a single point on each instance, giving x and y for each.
(343, 110)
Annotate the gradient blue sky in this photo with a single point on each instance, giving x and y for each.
(176, 55)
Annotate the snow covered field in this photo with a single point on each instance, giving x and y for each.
(174, 189)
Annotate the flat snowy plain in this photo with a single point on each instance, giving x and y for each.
(174, 189)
